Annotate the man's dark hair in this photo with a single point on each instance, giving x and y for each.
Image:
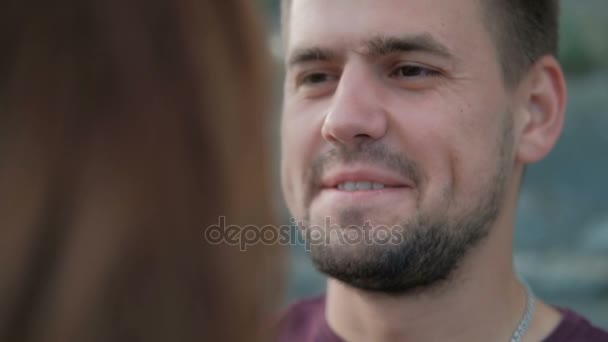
(524, 31)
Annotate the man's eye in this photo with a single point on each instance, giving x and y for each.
(414, 71)
(316, 78)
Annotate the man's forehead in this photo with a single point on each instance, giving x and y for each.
(388, 12)
(353, 24)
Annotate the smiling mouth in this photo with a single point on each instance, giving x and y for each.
(362, 186)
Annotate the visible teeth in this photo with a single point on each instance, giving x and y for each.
(364, 185)
(377, 186)
(360, 186)
(350, 186)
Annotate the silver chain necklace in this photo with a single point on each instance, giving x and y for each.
(528, 314)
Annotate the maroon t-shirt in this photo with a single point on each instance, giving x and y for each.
(305, 322)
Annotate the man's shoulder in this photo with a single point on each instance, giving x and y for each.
(576, 328)
(303, 320)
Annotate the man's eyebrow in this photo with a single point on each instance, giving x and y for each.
(375, 47)
(386, 45)
(303, 55)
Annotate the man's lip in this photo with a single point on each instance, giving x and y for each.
(339, 176)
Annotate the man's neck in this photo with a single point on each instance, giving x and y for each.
(485, 302)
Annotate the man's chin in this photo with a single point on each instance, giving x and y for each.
(371, 268)
(417, 255)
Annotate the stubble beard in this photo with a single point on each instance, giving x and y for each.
(431, 246)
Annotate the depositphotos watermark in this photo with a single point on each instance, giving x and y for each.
(297, 233)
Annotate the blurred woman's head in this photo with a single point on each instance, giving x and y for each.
(126, 128)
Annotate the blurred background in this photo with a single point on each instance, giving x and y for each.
(562, 228)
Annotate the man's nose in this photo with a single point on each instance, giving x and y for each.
(356, 110)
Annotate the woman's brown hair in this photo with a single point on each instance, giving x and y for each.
(127, 127)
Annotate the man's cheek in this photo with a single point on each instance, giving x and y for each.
(290, 186)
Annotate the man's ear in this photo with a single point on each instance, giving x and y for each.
(543, 110)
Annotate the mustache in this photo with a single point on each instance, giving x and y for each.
(364, 152)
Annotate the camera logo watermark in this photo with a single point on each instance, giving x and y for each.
(301, 234)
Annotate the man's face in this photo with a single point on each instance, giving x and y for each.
(395, 114)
